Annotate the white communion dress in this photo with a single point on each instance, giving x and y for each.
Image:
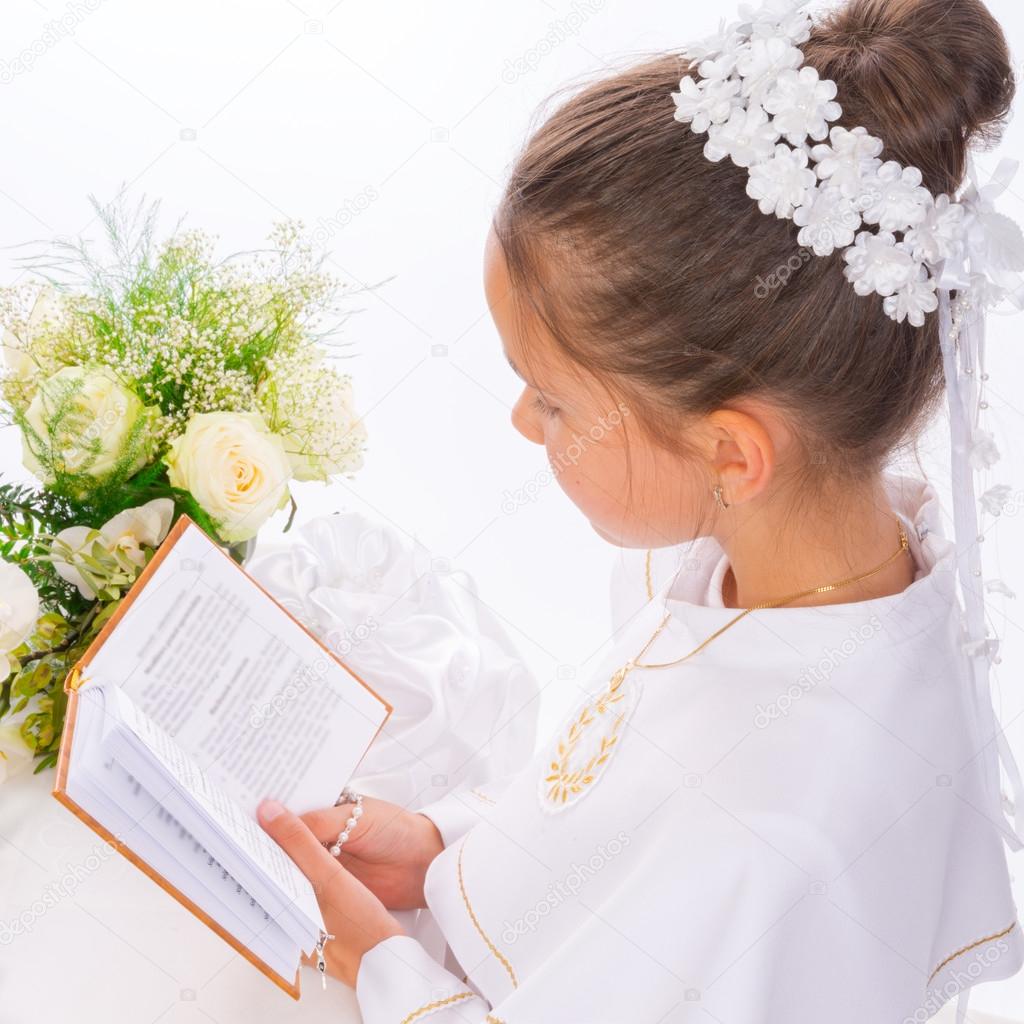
(799, 824)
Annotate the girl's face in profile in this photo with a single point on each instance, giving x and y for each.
(634, 492)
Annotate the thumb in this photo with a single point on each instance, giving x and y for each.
(292, 834)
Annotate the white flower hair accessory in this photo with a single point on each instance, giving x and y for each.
(749, 90)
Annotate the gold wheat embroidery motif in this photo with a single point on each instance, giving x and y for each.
(568, 778)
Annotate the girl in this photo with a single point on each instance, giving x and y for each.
(777, 801)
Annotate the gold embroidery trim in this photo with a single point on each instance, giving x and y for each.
(491, 1019)
(647, 575)
(501, 958)
(482, 796)
(567, 781)
(973, 945)
(430, 1007)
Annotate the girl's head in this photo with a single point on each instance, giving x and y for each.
(671, 337)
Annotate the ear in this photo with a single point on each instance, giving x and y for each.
(743, 453)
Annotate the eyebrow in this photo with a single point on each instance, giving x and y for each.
(543, 392)
(519, 373)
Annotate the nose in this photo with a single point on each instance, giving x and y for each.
(526, 419)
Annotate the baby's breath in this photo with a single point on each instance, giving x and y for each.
(188, 332)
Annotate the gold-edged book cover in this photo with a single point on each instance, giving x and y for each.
(71, 685)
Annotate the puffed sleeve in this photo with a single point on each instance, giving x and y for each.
(420, 636)
(399, 981)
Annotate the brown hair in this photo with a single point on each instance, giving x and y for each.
(644, 258)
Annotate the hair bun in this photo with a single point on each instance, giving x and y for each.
(928, 77)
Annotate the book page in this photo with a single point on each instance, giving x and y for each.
(106, 791)
(242, 832)
(260, 705)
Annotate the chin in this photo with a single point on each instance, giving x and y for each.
(617, 539)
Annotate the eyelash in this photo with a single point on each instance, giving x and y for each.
(543, 408)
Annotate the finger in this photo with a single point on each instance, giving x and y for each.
(327, 823)
(291, 833)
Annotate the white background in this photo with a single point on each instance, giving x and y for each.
(388, 129)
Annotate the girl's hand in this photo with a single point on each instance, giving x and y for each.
(352, 914)
(389, 851)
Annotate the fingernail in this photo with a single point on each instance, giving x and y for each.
(270, 809)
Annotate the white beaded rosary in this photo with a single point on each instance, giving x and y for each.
(347, 797)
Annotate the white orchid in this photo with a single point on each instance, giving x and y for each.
(893, 197)
(827, 221)
(705, 103)
(19, 610)
(748, 137)
(878, 263)
(15, 754)
(802, 104)
(761, 63)
(847, 159)
(913, 300)
(126, 534)
(782, 183)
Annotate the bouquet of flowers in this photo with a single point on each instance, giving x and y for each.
(146, 381)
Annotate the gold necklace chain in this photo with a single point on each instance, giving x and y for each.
(569, 776)
(774, 603)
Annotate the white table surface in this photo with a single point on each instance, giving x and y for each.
(98, 941)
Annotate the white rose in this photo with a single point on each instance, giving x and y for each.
(23, 360)
(85, 422)
(311, 407)
(128, 531)
(19, 610)
(235, 468)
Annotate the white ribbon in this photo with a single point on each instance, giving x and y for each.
(990, 257)
(962, 391)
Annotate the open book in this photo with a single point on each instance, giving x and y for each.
(200, 697)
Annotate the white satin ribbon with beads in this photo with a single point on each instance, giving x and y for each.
(992, 254)
(963, 364)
